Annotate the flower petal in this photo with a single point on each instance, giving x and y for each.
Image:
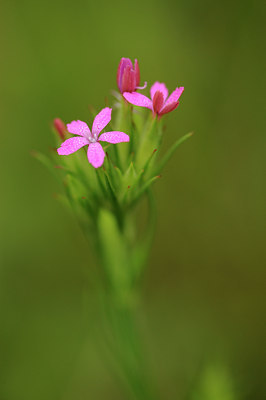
(114, 137)
(120, 71)
(159, 87)
(138, 99)
(95, 154)
(137, 72)
(128, 80)
(71, 145)
(172, 102)
(157, 101)
(169, 107)
(101, 120)
(173, 98)
(79, 128)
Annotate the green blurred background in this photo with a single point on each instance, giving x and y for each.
(203, 306)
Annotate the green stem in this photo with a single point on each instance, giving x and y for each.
(128, 350)
(148, 142)
(120, 295)
(123, 124)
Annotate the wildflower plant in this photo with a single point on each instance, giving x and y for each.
(103, 185)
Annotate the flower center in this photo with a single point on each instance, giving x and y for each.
(92, 137)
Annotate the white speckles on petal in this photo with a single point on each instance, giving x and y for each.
(114, 137)
(96, 155)
(174, 97)
(71, 145)
(138, 99)
(79, 128)
(101, 120)
(159, 87)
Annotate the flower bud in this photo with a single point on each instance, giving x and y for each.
(128, 77)
(60, 127)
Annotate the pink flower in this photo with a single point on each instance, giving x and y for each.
(86, 137)
(159, 103)
(128, 78)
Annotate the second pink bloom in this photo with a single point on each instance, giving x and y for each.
(159, 102)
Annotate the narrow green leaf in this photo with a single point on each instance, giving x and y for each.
(170, 152)
(47, 162)
(144, 188)
(112, 171)
(110, 188)
(83, 208)
(63, 200)
(100, 182)
(119, 175)
(142, 248)
(147, 164)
